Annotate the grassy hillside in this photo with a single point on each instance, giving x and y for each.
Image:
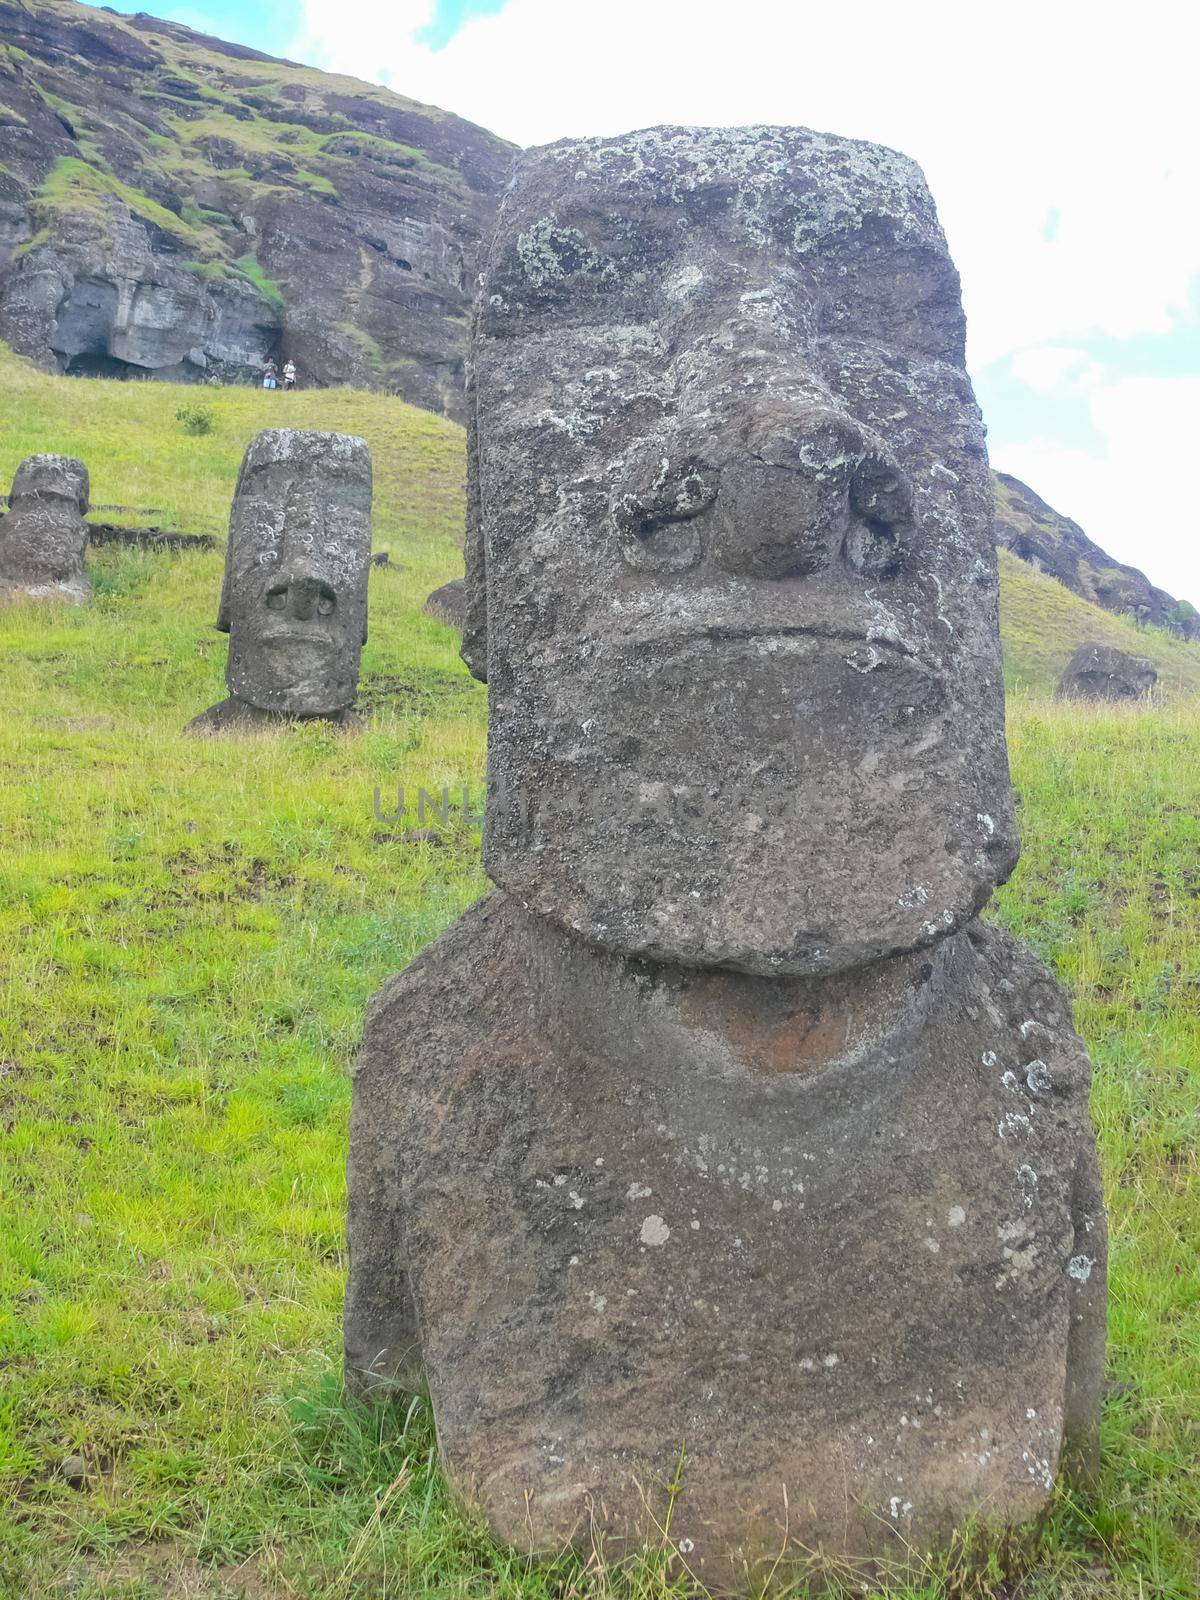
(190, 931)
(1042, 623)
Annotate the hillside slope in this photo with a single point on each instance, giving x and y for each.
(139, 456)
(1054, 544)
(173, 205)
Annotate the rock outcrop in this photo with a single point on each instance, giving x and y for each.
(723, 1146)
(175, 206)
(294, 597)
(1102, 672)
(1054, 544)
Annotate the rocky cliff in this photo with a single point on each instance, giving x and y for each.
(175, 206)
(1054, 544)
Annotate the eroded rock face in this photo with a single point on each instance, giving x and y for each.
(1102, 672)
(732, 498)
(178, 207)
(294, 598)
(43, 537)
(729, 1132)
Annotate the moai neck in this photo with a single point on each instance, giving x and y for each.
(729, 1022)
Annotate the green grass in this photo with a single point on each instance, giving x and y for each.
(248, 266)
(190, 931)
(80, 188)
(1042, 623)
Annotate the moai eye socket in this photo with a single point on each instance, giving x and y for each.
(277, 599)
(659, 521)
(326, 603)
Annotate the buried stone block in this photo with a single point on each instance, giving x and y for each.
(294, 598)
(723, 1128)
(43, 537)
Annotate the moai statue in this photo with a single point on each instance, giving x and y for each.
(294, 599)
(43, 537)
(1102, 672)
(724, 1130)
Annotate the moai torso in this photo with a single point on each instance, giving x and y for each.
(294, 597)
(43, 537)
(724, 1129)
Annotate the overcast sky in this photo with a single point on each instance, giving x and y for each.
(1060, 141)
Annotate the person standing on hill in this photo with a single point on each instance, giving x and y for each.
(270, 379)
(289, 375)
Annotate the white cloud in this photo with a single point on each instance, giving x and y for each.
(1132, 499)
(1045, 366)
(1059, 144)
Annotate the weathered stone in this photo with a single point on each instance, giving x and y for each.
(726, 1130)
(449, 604)
(43, 537)
(736, 501)
(837, 1237)
(294, 598)
(1102, 672)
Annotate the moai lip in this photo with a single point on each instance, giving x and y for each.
(294, 597)
(44, 535)
(724, 1131)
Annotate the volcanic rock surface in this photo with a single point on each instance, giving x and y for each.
(175, 206)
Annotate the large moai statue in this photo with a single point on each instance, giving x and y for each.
(294, 598)
(724, 1129)
(43, 537)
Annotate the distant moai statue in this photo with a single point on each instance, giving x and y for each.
(724, 1128)
(294, 597)
(43, 537)
(1102, 672)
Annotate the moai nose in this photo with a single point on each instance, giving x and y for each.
(811, 488)
(304, 595)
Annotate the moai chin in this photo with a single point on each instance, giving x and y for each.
(43, 537)
(724, 1128)
(294, 597)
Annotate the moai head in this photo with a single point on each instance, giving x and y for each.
(733, 582)
(43, 538)
(294, 600)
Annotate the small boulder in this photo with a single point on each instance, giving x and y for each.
(1102, 672)
(449, 604)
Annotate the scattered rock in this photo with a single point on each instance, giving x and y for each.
(43, 536)
(148, 538)
(724, 1124)
(75, 1470)
(1102, 672)
(449, 604)
(294, 598)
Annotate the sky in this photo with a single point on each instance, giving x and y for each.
(1060, 141)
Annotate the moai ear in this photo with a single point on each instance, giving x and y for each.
(474, 645)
